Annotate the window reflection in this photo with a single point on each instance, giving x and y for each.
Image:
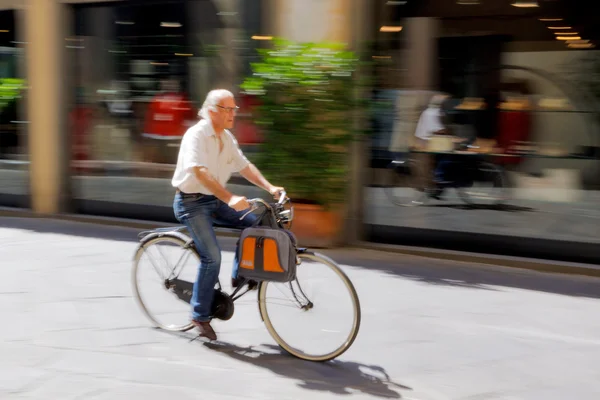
(143, 70)
(13, 144)
(514, 110)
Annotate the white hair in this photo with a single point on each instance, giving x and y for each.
(213, 98)
(437, 100)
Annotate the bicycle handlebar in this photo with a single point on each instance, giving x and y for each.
(282, 197)
(253, 203)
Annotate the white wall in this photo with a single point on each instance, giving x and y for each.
(313, 20)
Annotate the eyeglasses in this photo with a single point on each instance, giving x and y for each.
(230, 109)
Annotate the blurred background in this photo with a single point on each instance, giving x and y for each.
(459, 124)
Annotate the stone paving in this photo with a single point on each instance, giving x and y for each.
(431, 330)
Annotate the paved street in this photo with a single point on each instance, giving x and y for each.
(431, 330)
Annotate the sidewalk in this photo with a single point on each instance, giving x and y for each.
(552, 229)
(347, 254)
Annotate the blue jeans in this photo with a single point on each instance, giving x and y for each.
(443, 163)
(198, 213)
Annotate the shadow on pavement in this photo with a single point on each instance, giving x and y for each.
(427, 270)
(467, 275)
(70, 228)
(338, 377)
(490, 207)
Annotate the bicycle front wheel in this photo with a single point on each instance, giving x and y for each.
(312, 324)
(489, 187)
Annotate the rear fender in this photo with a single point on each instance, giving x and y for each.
(174, 234)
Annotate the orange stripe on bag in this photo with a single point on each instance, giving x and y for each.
(270, 257)
(248, 247)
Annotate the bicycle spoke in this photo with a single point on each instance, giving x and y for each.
(290, 299)
(308, 302)
(283, 304)
(186, 254)
(156, 268)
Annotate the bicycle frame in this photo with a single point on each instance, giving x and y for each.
(273, 216)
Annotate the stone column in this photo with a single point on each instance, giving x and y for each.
(361, 21)
(420, 54)
(49, 155)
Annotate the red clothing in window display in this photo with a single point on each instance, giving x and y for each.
(514, 126)
(169, 116)
(246, 131)
(80, 120)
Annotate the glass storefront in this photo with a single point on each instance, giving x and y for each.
(483, 128)
(484, 117)
(143, 70)
(14, 165)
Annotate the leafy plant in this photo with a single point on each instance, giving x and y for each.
(307, 96)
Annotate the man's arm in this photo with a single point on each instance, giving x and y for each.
(212, 184)
(250, 172)
(253, 175)
(238, 203)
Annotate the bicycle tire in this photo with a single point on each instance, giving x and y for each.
(499, 177)
(163, 237)
(356, 304)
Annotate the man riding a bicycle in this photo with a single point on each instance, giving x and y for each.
(209, 154)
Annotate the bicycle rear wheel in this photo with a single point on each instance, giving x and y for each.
(405, 190)
(163, 285)
(311, 326)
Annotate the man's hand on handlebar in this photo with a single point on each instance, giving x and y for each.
(276, 191)
(239, 203)
(255, 203)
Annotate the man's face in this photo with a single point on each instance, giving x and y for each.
(225, 115)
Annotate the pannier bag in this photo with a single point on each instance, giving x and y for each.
(267, 254)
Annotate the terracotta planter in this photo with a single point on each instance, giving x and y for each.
(316, 227)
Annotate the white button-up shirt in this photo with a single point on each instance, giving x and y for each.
(200, 148)
(429, 122)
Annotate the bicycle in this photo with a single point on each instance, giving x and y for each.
(274, 215)
(463, 176)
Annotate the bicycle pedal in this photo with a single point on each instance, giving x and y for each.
(194, 338)
(204, 339)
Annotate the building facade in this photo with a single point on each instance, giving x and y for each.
(96, 96)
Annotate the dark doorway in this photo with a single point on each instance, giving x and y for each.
(470, 67)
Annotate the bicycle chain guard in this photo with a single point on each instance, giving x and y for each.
(222, 306)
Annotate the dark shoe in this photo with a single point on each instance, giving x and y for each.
(205, 329)
(252, 285)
